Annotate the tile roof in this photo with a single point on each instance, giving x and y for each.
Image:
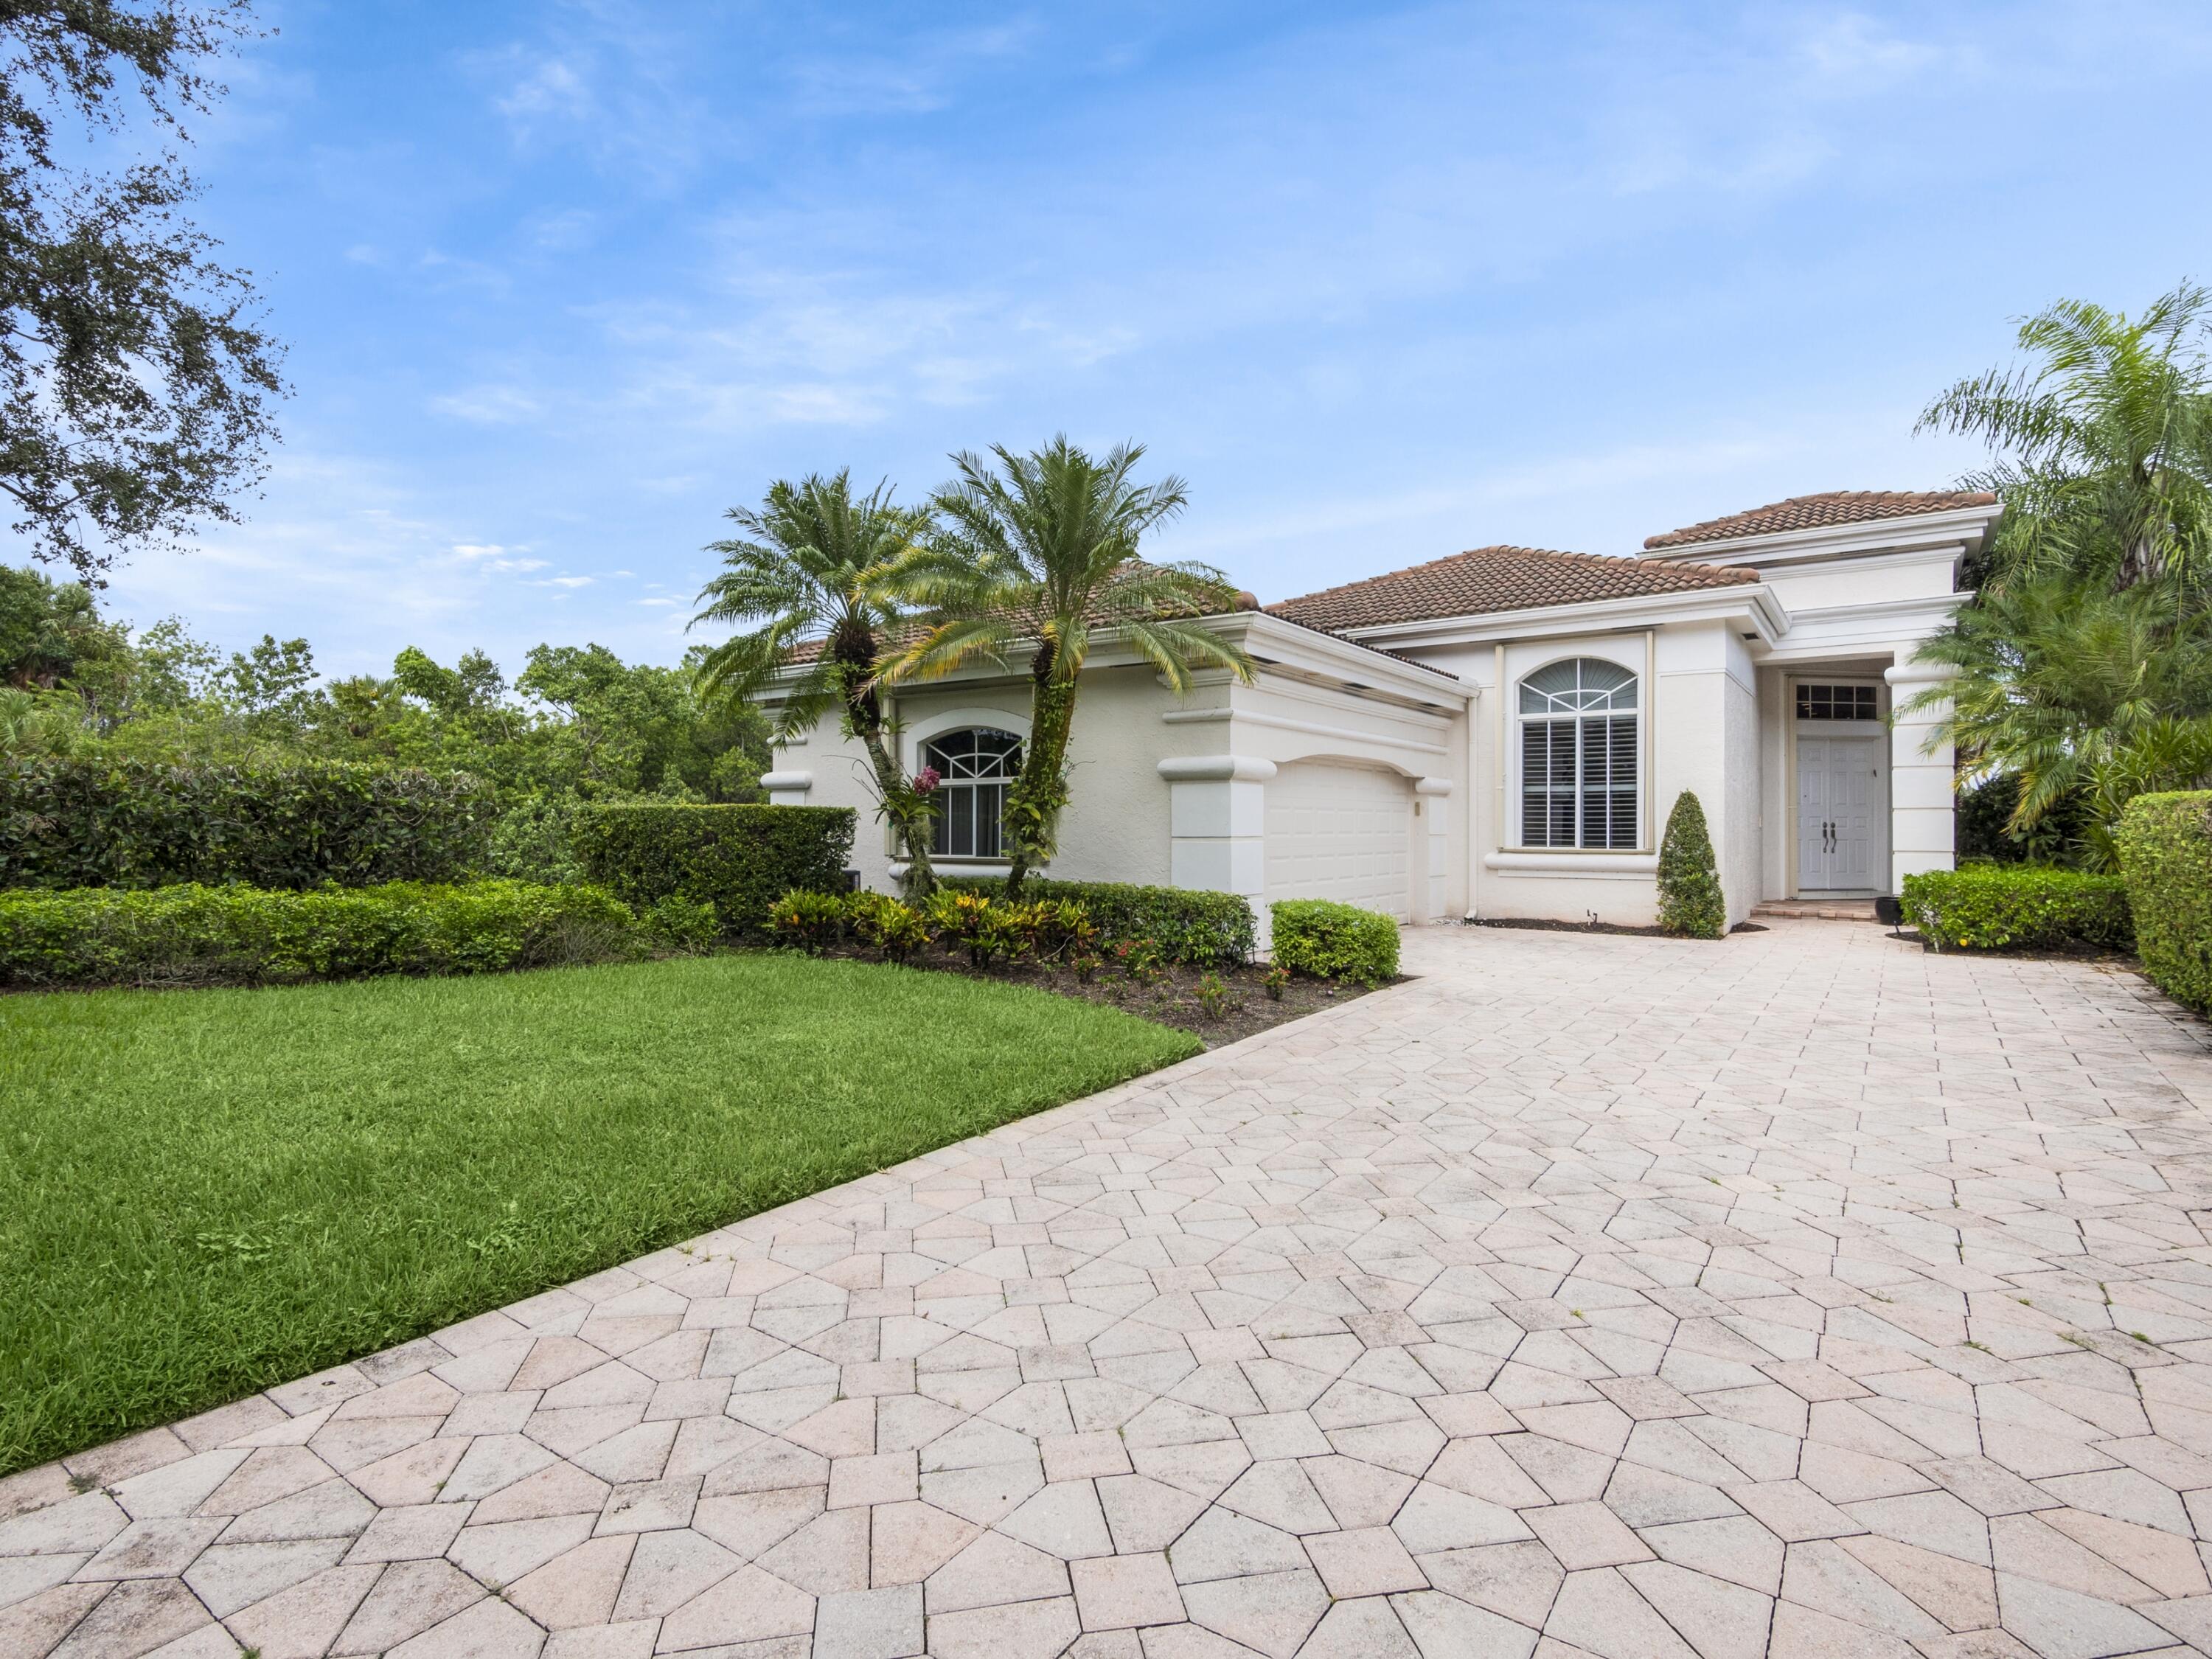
(1490, 579)
(1816, 511)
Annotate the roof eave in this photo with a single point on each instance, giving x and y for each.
(1752, 602)
(1963, 526)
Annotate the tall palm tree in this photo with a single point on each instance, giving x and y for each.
(2085, 695)
(1038, 557)
(2105, 446)
(811, 572)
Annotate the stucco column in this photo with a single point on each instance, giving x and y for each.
(1433, 796)
(1218, 823)
(787, 788)
(1922, 833)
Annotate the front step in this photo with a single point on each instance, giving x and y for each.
(1839, 909)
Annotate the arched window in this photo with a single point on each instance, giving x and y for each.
(1578, 762)
(975, 765)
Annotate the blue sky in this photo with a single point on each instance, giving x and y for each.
(563, 281)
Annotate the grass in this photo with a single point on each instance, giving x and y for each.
(203, 1193)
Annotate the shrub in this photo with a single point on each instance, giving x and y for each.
(814, 921)
(1060, 927)
(738, 859)
(987, 928)
(680, 925)
(67, 823)
(1328, 940)
(1203, 929)
(190, 934)
(886, 925)
(1690, 903)
(2165, 848)
(1212, 993)
(2033, 907)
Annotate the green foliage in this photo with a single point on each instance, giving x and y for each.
(1187, 926)
(738, 859)
(1212, 993)
(984, 928)
(1033, 555)
(681, 926)
(2104, 445)
(369, 1163)
(1275, 981)
(2019, 907)
(894, 929)
(135, 823)
(2084, 696)
(1324, 939)
(139, 390)
(197, 935)
(814, 921)
(1690, 903)
(2165, 848)
(813, 567)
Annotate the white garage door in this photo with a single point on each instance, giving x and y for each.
(1339, 832)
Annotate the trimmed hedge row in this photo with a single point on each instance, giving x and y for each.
(193, 935)
(1185, 924)
(2010, 907)
(139, 824)
(1328, 940)
(738, 859)
(2165, 848)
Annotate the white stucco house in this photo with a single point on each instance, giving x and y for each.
(1500, 734)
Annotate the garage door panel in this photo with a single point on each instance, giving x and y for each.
(1339, 832)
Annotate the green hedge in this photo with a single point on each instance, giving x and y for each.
(1185, 924)
(2165, 848)
(2011, 906)
(738, 859)
(194, 935)
(1329, 940)
(140, 824)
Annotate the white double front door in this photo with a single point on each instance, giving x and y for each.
(1841, 843)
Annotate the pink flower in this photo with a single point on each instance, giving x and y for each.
(925, 780)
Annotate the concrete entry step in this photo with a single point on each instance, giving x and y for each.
(1837, 909)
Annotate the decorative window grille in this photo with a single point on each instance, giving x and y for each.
(975, 765)
(1578, 756)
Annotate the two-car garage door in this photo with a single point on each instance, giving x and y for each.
(1339, 832)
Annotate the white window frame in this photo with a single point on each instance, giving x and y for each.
(949, 786)
(1637, 685)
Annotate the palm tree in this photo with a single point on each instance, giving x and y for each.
(811, 571)
(2105, 442)
(1039, 557)
(2083, 694)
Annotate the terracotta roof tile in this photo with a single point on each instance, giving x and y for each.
(1817, 512)
(1489, 579)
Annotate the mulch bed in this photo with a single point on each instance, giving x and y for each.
(1247, 1011)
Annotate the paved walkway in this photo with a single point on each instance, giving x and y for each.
(1800, 1295)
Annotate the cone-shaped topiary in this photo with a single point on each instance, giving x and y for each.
(1690, 903)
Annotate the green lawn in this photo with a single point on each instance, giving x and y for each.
(205, 1193)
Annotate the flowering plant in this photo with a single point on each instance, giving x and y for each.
(925, 780)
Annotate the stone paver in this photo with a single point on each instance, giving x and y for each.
(1799, 1294)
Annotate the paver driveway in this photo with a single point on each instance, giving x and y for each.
(1587, 1294)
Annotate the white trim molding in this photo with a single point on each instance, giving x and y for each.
(1202, 768)
(1565, 862)
(798, 781)
(1432, 786)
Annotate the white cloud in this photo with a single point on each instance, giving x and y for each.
(488, 405)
